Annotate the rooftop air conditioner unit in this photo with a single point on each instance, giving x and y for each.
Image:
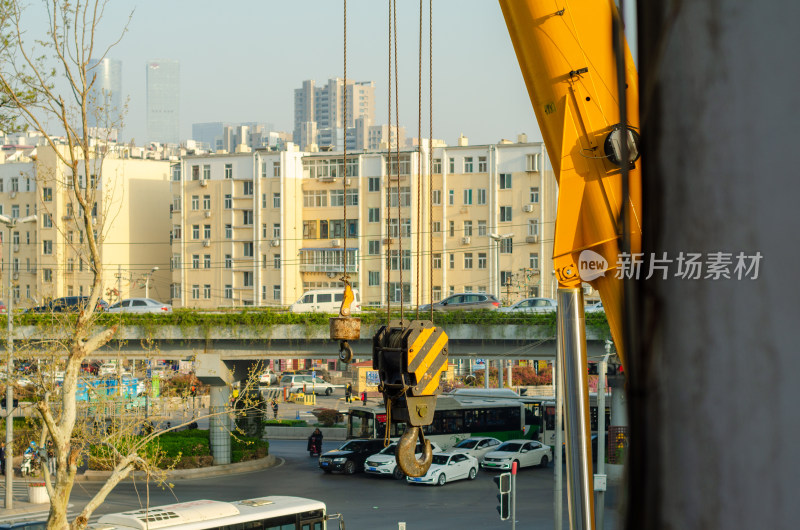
(207, 243)
(335, 242)
(465, 240)
(347, 181)
(532, 239)
(276, 242)
(527, 208)
(203, 182)
(208, 214)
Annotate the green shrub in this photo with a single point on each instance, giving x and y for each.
(327, 417)
(286, 423)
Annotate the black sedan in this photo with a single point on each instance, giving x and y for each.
(350, 456)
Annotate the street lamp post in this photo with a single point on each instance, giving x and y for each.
(10, 223)
(147, 282)
(498, 239)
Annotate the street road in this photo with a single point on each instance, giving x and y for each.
(367, 502)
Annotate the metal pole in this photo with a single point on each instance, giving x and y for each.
(509, 374)
(486, 365)
(601, 434)
(572, 335)
(500, 367)
(558, 484)
(514, 496)
(147, 286)
(9, 390)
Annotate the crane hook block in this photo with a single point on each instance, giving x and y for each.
(345, 328)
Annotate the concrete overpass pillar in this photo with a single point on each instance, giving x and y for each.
(219, 425)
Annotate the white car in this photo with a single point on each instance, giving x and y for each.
(448, 467)
(477, 447)
(307, 384)
(595, 308)
(140, 305)
(532, 305)
(384, 462)
(267, 378)
(525, 452)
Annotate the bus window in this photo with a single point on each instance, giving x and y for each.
(361, 424)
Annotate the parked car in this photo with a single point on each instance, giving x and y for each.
(267, 377)
(464, 302)
(384, 462)
(92, 367)
(525, 452)
(595, 308)
(140, 305)
(532, 305)
(349, 458)
(68, 304)
(324, 301)
(448, 467)
(307, 384)
(477, 447)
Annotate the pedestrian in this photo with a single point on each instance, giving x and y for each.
(364, 397)
(348, 392)
(274, 409)
(2, 458)
(51, 458)
(315, 443)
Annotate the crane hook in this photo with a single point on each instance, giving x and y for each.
(345, 352)
(406, 453)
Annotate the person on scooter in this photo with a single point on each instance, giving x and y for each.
(315, 443)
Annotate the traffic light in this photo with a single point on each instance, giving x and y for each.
(503, 482)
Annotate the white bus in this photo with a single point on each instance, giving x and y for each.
(263, 513)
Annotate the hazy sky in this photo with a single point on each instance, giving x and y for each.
(241, 60)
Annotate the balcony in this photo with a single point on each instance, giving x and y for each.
(328, 260)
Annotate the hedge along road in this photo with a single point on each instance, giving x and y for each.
(366, 501)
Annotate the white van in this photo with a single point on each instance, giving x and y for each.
(324, 301)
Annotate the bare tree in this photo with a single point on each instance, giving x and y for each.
(49, 84)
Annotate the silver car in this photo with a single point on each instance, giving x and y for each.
(140, 305)
(532, 305)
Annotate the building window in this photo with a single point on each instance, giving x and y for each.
(533, 227)
(533, 260)
(47, 220)
(374, 278)
(505, 277)
(195, 172)
(206, 231)
(337, 197)
(263, 170)
(395, 291)
(276, 292)
(482, 196)
(315, 198)
(206, 261)
(276, 230)
(228, 261)
(506, 245)
(374, 215)
(276, 169)
(394, 261)
(206, 202)
(228, 292)
(467, 288)
(405, 196)
(247, 217)
(263, 200)
(176, 173)
(482, 228)
(534, 195)
(405, 230)
(505, 181)
(207, 172)
(437, 293)
(437, 166)
(248, 279)
(374, 184)
(310, 230)
(228, 231)
(505, 214)
(481, 260)
(468, 164)
(437, 197)
(481, 164)
(247, 249)
(467, 197)
(195, 231)
(276, 261)
(467, 228)
(47, 194)
(436, 261)
(175, 290)
(468, 260)
(47, 275)
(451, 197)
(247, 188)
(195, 292)
(228, 171)
(195, 202)
(452, 168)
(373, 247)
(47, 247)
(452, 229)
(207, 291)
(276, 200)
(175, 262)
(452, 261)
(195, 261)
(532, 162)
(264, 230)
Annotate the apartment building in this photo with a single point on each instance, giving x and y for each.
(262, 228)
(130, 216)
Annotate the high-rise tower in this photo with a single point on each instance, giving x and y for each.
(163, 100)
